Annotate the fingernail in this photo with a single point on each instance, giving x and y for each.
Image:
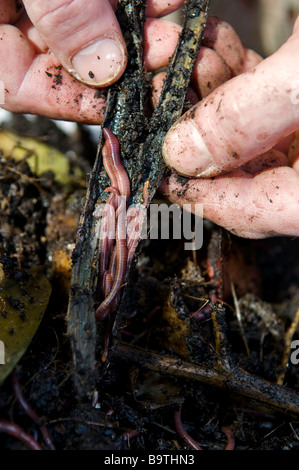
(99, 63)
(185, 150)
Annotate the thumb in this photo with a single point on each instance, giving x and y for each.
(84, 36)
(241, 119)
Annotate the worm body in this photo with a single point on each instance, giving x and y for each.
(112, 164)
(117, 244)
(113, 248)
(107, 233)
(120, 268)
(182, 431)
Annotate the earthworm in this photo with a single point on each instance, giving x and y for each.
(107, 232)
(230, 445)
(112, 264)
(115, 256)
(108, 228)
(182, 431)
(117, 202)
(16, 431)
(29, 411)
(131, 434)
(121, 264)
(112, 164)
(230, 438)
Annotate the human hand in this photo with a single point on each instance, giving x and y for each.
(44, 45)
(236, 147)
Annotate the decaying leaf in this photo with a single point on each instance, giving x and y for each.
(155, 390)
(22, 306)
(40, 157)
(175, 328)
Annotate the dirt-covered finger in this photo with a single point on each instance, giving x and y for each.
(260, 206)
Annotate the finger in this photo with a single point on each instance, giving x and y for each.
(243, 118)
(260, 206)
(251, 59)
(157, 84)
(284, 144)
(157, 8)
(84, 36)
(210, 71)
(221, 37)
(38, 76)
(25, 25)
(293, 154)
(272, 159)
(159, 32)
(161, 37)
(38, 84)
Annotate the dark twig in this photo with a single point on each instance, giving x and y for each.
(236, 380)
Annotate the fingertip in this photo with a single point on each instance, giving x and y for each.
(185, 150)
(296, 26)
(251, 59)
(160, 40)
(14, 65)
(210, 71)
(157, 85)
(84, 36)
(157, 8)
(222, 37)
(100, 63)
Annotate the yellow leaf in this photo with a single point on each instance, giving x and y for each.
(39, 156)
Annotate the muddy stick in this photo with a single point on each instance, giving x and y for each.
(277, 397)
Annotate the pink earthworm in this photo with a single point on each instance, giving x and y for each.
(121, 266)
(230, 438)
(17, 432)
(107, 288)
(114, 256)
(107, 233)
(106, 282)
(30, 411)
(112, 164)
(108, 228)
(182, 431)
